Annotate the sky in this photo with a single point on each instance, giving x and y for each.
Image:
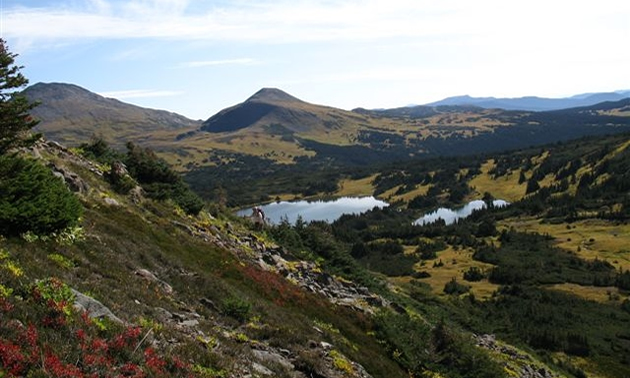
(196, 57)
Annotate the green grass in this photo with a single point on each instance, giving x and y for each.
(456, 262)
(120, 240)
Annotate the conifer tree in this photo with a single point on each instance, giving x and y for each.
(15, 120)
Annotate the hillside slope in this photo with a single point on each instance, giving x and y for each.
(71, 115)
(166, 294)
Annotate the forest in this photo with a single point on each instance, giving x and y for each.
(566, 183)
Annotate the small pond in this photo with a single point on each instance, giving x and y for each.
(328, 211)
(450, 216)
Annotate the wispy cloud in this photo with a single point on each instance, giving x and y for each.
(139, 93)
(269, 21)
(220, 62)
(288, 21)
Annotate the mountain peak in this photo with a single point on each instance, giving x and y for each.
(272, 95)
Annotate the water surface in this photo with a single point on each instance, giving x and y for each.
(328, 211)
(450, 216)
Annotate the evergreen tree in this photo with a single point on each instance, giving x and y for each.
(15, 120)
(33, 199)
(532, 186)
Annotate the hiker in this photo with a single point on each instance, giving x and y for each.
(258, 217)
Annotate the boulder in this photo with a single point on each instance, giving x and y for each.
(72, 180)
(94, 308)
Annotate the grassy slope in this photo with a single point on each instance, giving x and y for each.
(343, 130)
(119, 240)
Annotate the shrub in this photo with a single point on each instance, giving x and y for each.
(98, 149)
(159, 180)
(455, 288)
(55, 340)
(473, 274)
(236, 308)
(421, 274)
(428, 250)
(387, 258)
(33, 199)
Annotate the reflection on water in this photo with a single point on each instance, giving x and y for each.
(450, 216)
(327, 211)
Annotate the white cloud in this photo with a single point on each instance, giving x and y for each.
(139, 93)
(298, 21)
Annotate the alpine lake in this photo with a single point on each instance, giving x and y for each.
(329, 211)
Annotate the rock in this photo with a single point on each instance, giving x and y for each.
(267, 357)
(325, 345)
(189, 323)
(260, 369)
(163, 314)
(111, 201)
(72, 180)
(209, 304)
(94, 308)
(119, 170)
(168, 289)
(137, 194)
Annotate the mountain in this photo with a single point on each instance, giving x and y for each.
(270, 107)
(533, 103)
(272, 127)
(394, 135)
(70, 114)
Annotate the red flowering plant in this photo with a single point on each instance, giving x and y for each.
(273, 286)
(43, 336)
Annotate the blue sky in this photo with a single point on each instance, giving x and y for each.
(197, 57)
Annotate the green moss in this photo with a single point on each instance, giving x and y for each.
(340, 362)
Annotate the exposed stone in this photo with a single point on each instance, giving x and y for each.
(72, 180)
(189, 323)
(163, 314)
(260, 369)
(528, 369)
(94, 308)
(168, 289)
(111, 201)
(137, 194)
(267, 357)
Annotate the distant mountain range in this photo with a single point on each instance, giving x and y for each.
(533, 103)
(276, 127)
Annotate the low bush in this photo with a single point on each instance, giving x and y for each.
(48, 338)
(455, 288)
(473, 274)
(236, 308)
